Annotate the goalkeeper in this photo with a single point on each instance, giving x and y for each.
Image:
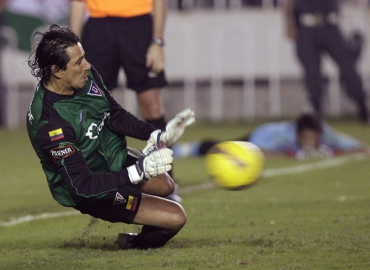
(79, 134)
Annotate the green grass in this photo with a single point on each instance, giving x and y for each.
(313, 220)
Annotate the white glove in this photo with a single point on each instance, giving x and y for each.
(147, 167)
(174, 130)
(322, 151)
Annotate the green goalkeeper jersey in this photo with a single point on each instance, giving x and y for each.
(81, 141)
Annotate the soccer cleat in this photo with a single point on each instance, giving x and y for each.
(124, 240)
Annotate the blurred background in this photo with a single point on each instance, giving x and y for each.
(228, 60)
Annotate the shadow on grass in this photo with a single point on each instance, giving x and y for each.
(108, 243)
(246, 241)
(92, 242)
(88, 239)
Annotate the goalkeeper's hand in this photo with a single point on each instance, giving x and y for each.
(147, 167)
(174, 130)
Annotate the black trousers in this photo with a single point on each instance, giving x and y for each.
(312, 43)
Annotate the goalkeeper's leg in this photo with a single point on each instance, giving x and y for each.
(161, 185)
(162, 220)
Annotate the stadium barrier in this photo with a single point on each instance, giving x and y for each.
(215, 46)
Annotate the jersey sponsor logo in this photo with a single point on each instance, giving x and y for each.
(56, 134)
(119, 199)
(62, 152)
(132, 203)
(94, 129)
(94, 90)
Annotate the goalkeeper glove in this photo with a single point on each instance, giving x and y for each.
(174, 130)
(147, 167)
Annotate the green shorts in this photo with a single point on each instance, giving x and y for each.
(118, 206)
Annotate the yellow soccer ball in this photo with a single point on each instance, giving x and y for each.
(234, 164)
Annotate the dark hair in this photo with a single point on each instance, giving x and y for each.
(308, 121)
(51, 50)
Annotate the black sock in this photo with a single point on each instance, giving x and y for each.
(205, 146)
(152, 237)
(159, 123)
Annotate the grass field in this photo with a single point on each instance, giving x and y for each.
(311, 214)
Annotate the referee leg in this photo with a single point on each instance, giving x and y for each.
(151, 104)
(338, 49)
(309, 55)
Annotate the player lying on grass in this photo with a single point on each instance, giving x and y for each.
(79, 133)
(304, 138)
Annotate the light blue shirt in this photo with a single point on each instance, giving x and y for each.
(281, 137)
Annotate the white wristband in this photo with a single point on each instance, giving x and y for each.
(134, 175)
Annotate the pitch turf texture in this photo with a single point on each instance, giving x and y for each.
(313, 215)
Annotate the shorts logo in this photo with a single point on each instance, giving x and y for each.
(131, 204)
(119, 199)
(56, 134)
(94, 90)
(62, 152)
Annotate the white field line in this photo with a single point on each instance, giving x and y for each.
(296, 169)
(322, 164)
(16, 221)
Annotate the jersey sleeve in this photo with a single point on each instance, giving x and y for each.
(62, 154)
(338, 141)
(275, 137)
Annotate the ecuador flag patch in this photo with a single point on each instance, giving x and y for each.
(56, 134)
(131, 204)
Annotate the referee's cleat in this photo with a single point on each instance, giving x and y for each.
(124, 240)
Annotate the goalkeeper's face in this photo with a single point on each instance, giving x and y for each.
(309, 138)
(75, 75)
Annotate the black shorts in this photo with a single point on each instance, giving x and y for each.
(113, 42)
(118, 206)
